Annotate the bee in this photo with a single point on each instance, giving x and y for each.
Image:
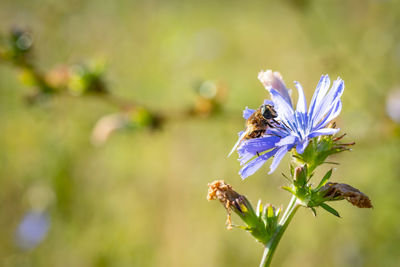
(257, 124)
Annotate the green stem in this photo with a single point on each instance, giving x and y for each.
(270, 247)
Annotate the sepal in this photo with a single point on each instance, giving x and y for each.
(300, 188)
(319, 149)
(330, 209)
(324, 180)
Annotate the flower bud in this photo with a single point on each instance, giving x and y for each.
(300, 175)
(271, 215)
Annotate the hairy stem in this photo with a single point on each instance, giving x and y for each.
(272, 244)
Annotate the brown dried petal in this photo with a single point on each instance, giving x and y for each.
(336, 191)
(226, 195)
(221, 191)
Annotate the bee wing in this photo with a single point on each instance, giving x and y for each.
(241, 137)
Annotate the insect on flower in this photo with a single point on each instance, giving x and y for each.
(298, 126)
(257, 124)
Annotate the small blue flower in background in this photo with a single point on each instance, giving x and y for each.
(393, 105)
(297, 126)
(32, 229)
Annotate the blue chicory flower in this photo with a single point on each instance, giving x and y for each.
(297, 127)
(32, 229)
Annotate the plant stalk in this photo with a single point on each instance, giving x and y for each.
(272, 244)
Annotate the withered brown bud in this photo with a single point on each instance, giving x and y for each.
(233, 201)
(230, 199)
(336, 191)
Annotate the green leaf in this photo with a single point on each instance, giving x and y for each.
(247, 228)
(278, 212)
(330, 209)
(325, 179)
(331, 162)
(313, 211)
(290, 180)
(290, 190)
(311, 176)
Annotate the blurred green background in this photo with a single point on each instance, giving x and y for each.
(140, 199)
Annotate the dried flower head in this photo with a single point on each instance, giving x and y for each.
(336, 191)
(228, 197)
(260, 223)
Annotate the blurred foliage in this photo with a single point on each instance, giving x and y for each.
(83, 79)
(139, 200)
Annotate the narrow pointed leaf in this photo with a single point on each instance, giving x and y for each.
(325, 179)
(287, 178)
(290, 190)
(247, 228)
(278, 212)
(313, 211)
(330, 209)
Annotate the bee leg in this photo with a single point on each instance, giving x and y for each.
(270, 125)
(273, 134)
(280, 124)
(258, 154)
(284, 124)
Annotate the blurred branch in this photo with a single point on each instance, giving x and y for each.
(81, 80)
